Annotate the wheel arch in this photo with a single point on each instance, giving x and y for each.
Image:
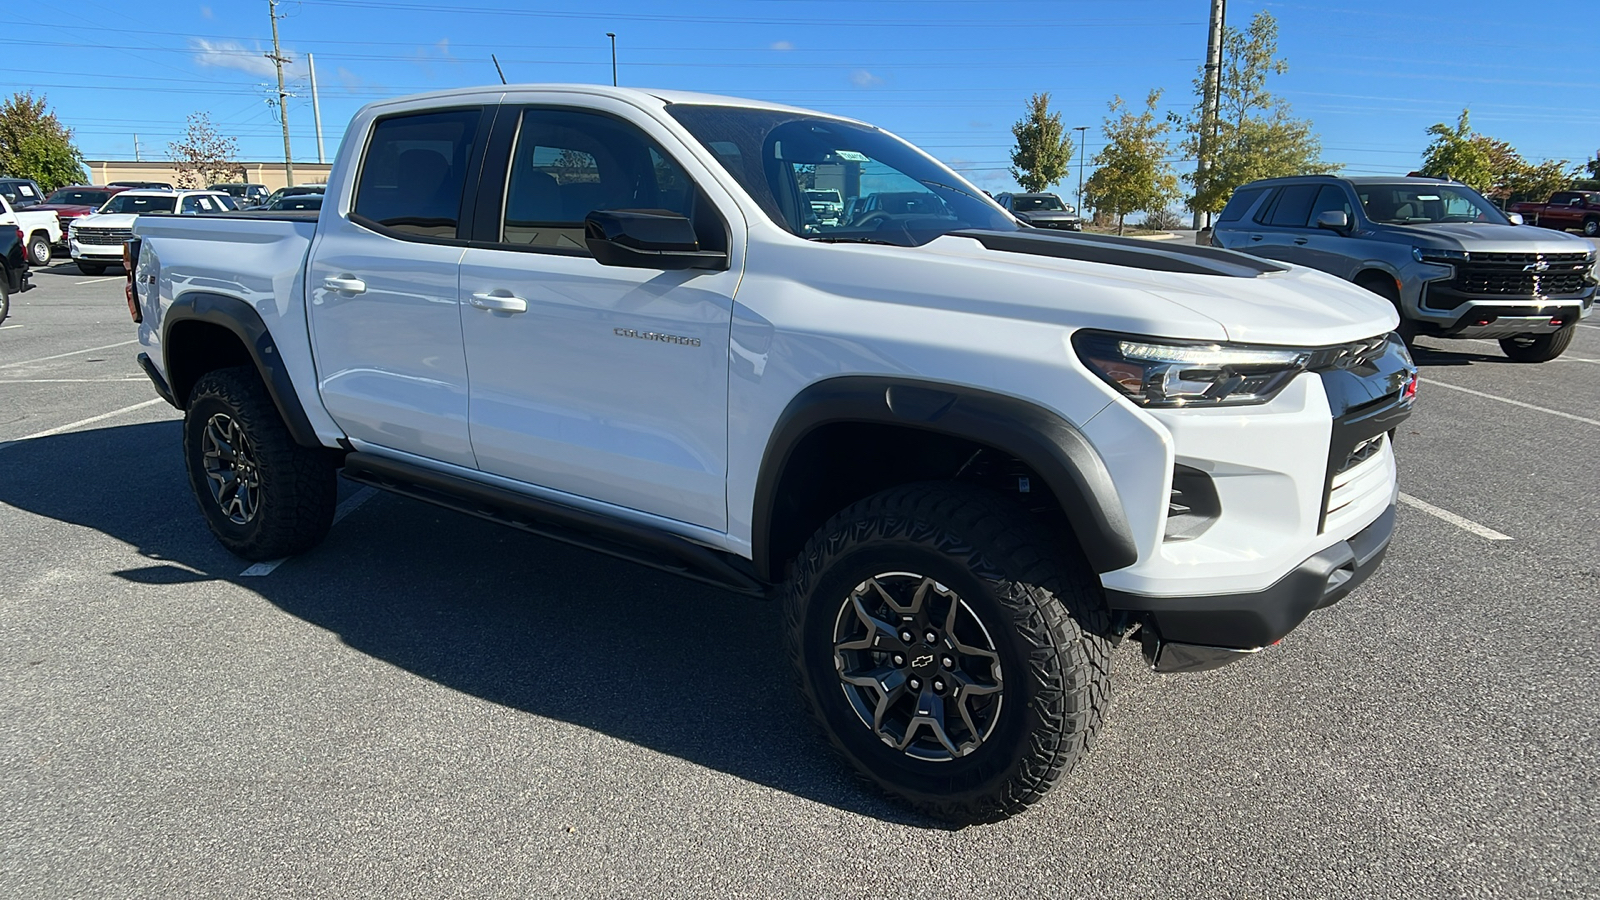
(897, 409)
(203, 331)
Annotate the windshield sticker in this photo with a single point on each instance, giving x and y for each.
(852, 156)
(1427, 196)
(26, 189)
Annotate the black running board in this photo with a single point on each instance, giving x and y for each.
(581, 528)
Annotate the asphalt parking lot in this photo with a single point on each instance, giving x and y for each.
(432, 706)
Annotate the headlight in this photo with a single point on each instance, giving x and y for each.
(1428, 254)
(1156, 372)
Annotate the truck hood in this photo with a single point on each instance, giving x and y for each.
(1476, 238)
(70, 209)
(111, 220)
(1049, 215)
(1248, 299)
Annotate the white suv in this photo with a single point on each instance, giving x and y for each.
(96, 241)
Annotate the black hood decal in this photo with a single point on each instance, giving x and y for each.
(1166, 256)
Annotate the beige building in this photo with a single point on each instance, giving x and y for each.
(268, 173)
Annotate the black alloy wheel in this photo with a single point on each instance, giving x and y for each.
(232, 473)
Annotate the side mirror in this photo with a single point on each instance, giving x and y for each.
(1334, 220)
(1516, 218)
(647, 239)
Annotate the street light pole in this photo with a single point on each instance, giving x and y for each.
(613, 36)
(1083, 137)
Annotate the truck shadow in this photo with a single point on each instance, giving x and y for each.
(526, 623)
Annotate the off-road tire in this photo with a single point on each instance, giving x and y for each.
(39, 251)
(91, 269)
(1038, 601)
(297, 486)
(1538, 348)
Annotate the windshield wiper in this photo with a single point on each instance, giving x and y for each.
(854, 240)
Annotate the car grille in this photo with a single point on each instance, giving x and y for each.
(1363, 481)
(108, 236)
(1522, 274)
(1348, 356)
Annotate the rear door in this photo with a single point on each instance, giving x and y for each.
(383, 283)
(601, 382)
(1282, 222)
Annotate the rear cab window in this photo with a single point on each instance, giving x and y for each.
(413, 173)
(1240, 203)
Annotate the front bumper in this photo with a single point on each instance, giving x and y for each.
(1192, 634)
(98, 253)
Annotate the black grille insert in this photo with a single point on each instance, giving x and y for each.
(1522, 274)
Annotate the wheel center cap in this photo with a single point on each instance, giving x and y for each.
(924, 661)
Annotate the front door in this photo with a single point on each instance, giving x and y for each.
(598, 381)
(384, 288)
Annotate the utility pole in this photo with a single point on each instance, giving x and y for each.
(283, 105)
(136, 148)
(316, 109)
(613, 36)
(1083, 140)
(1210, 88)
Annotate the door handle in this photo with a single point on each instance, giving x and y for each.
(1299, 240)
(348, 284)
(500, 301)
(1255, 237)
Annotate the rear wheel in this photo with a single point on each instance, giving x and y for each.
(951, 651)
(91, 269)
(39, 250)
(263, 495)
(1537, 348)
(1591, 227)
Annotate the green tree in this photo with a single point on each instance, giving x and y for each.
(204, 156)
(1255, 135)
(1043, 151)
(1454, 154)
(1131, 172)
(1531, 182)
(34, 144)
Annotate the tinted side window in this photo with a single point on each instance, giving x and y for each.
(1240, 204)
(414, 169)
(1565, 198)
(566, 164)
(1331, 198)
(1294, 206)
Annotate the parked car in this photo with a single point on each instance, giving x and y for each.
(1042, 211)
(282, 192)
(21, 193)
(967, 457)
(296, 201)
(246, 195)
(74, 202)
(14, 273)
(143, 185)
(826, 205)
(41, 229)
(96, 241)
(1452, 264)
(1564, 210)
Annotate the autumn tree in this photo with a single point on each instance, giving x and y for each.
(34, 144)
(1254, 134)
(1132, 172)
(1043, 151)
(204, 156)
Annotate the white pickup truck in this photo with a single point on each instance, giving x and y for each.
(969, 458)
(40, 231)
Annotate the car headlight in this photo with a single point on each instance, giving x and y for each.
(1162, 373)
(1428, 254)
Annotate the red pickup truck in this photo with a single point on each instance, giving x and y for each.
(1566, 209)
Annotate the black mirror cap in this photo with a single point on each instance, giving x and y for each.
(647, 239)
(1333, 220)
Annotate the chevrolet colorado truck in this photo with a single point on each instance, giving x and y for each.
(1563, 211)
(967, 457)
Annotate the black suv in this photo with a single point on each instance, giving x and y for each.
(1042, 211)
(1453, 264)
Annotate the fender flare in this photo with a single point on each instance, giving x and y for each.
(1048, 443)
(245, 323)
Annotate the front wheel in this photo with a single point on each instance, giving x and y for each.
(263, 495)
(39, 250)
(949, 650)
(1537, 348)
(1591, 227)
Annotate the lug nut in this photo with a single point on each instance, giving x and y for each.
(938, 685)
(906, 636)
(916, 684)
(932, 637)
(948, 663)
(899, 659)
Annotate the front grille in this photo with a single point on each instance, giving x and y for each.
(1522, 274)
(1348, 356)
(106, 236)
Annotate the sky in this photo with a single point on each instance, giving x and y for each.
(949, 75)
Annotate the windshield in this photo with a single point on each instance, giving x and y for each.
(72, 197)
(1024, 203)
(1422, 204)
(890, 193)
(143, 205)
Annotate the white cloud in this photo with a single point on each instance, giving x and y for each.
(782, 45)
(861, 78)
(234, 55)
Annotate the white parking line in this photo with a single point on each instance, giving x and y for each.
(18, 325)
(1596, 327)
(92, 281)
(346, 508)
(1483, 531)
(1554, 412)
(81, 422)
(24, 362)
(70, 380)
